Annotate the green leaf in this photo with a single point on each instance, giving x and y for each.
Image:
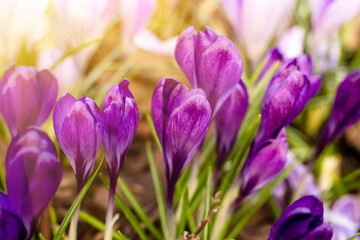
(127, 212)
(138, 209)
(356, 235)
(96, 223)
(184, 210)
(76, 204)
(208, 202)
(158, 190)
(53, 220)
(153, 131)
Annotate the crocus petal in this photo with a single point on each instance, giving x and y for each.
(283, 100)
(121, 118)
(26, 97)
(10, 223)
(219, 70)
(291, 43)
(184, 54)
(33, 173)
(264, 164)
(228, 121)
(345, 111)
(272, 56)
(78, 127)
(302, 220)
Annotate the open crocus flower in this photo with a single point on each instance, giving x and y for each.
(210, 62)
(181, 118)
(33, 174)
(78, 126)
(27, 97)
(250, 20)
(284, 99)
(302, 220)
(345, 111)
(228, 122)
(263, 165)
(121, 118)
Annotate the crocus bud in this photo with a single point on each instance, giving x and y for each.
(302, 220)
(264, 164)
(181, 118)
(121, 118)
(345, 110)
(26, 97)
(228, 122)
(210, 62)
(78, 126)
(10, 223)
(33, 174)
(272, 56)
(284, 99)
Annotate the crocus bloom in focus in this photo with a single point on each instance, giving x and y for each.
(263, 165)
(181, 118)
(228, 122)
(302, 220)
(210, 62)
(78, 126)
(33, 174)
(121, 118)
(345, 111)
(26, 97)
(250, 20)
(284, 99)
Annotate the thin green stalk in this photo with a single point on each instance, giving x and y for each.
(158, 191)
(352, 237)
(153, 131)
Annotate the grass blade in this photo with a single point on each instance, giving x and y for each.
(158, 190)
(138, 209)
(184, 210)
(153, 131)
(76, 203)
(127, 212)
(208, 202)
(96, 223)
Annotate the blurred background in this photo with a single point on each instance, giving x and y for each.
(92, 44)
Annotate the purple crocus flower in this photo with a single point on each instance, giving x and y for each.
(78, 126)
(345, 111)
(26, 97)
(273, 55)
(121, 118)
(181, 118)
(302, 220)
(284, 99)
(33, 174)
(10, 223)
(210, 62)
(263, 165)
(228, 122)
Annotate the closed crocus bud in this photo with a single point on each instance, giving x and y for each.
(228, 122)
(302, 220)
(10, 223)
(26, 97)
(345, 111)
(271, 56)
(263, 165)
(33, 174)
(121, 118)
(210, 62)
(181, 118)
(78, 126)
(284, 99)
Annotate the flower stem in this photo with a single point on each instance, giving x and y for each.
(170, 212)
(109, 213)
(73, 225)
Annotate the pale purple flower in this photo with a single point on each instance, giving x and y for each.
(27, 97)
